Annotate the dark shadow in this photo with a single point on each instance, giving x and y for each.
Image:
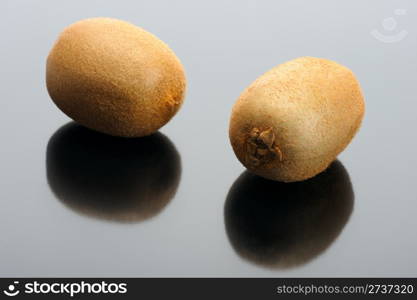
(284, 225)
(119, 179)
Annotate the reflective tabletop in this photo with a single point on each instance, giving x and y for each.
(74, 202)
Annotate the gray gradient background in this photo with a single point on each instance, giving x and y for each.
(224, 46)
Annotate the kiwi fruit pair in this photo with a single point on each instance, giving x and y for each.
(119, 79)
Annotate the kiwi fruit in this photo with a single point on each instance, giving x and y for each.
(112, 178)
(284, 225)
(294, 120)
(114, 77)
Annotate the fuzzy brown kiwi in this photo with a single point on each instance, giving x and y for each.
(114, 77)
(294, 120)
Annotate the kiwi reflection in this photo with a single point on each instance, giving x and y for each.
(284, 225)
(119, 179)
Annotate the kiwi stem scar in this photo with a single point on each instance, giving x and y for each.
(261, 147)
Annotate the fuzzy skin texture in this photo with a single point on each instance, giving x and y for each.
(114, 77)
(294, 120)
